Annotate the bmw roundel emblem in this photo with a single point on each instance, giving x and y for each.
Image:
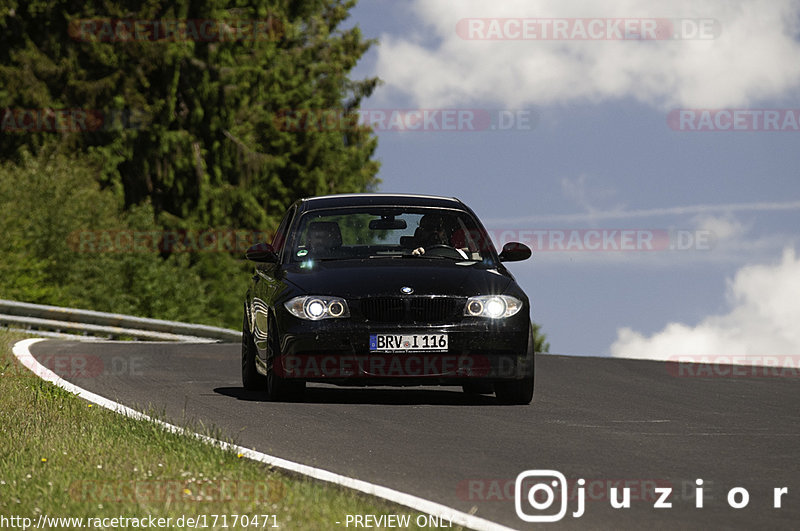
(408, 290)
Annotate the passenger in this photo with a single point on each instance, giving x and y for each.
(324, 238)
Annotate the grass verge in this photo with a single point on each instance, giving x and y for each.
(63, 457)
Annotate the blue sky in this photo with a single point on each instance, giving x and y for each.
(602, 156)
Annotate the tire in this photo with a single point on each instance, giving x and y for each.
(478, 388)
(279, 389)
(515, 392)
(251, 379)
(518, 392)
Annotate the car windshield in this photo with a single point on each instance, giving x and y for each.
(390, 232)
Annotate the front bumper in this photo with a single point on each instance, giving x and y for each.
(338, 351)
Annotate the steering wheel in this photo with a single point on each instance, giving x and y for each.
(441, 249)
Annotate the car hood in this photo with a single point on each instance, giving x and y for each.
(359, 278)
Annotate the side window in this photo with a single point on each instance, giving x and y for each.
(280, 234)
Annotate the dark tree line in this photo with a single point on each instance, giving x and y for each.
(183, 100)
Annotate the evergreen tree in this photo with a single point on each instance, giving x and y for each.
(191, 119)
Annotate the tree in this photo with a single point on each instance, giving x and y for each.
(186, 113)
(540, 343)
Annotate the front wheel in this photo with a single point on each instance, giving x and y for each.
(251, 379)
(279, 388)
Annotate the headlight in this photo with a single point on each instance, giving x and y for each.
(494, 306)
(316, 308)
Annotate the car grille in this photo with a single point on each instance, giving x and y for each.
(409, 309)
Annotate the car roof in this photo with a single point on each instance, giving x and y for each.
(345, 200)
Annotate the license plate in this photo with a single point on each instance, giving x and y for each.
(408, 342)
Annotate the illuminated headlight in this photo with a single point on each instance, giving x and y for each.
(494, 306)
(316, 308)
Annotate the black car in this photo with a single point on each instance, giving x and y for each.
(378, 289)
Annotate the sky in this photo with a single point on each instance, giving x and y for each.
(647, 151)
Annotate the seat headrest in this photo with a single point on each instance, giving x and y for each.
(325, 234)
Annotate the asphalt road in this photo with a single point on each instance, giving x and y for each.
(612, 422)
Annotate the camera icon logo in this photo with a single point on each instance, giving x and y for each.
(540, 488)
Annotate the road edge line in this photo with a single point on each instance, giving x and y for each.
(21, 351)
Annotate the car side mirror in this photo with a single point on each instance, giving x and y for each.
(515, 252)
(261, 252)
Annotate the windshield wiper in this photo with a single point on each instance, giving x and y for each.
(416, 256)
(328, 259)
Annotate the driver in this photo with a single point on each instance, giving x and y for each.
(430, 232)
(433, 230)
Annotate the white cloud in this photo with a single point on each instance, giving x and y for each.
(724, 227)
(763, 321)
(755, 58)
(586, 194)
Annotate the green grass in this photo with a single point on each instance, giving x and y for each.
(64, 457)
